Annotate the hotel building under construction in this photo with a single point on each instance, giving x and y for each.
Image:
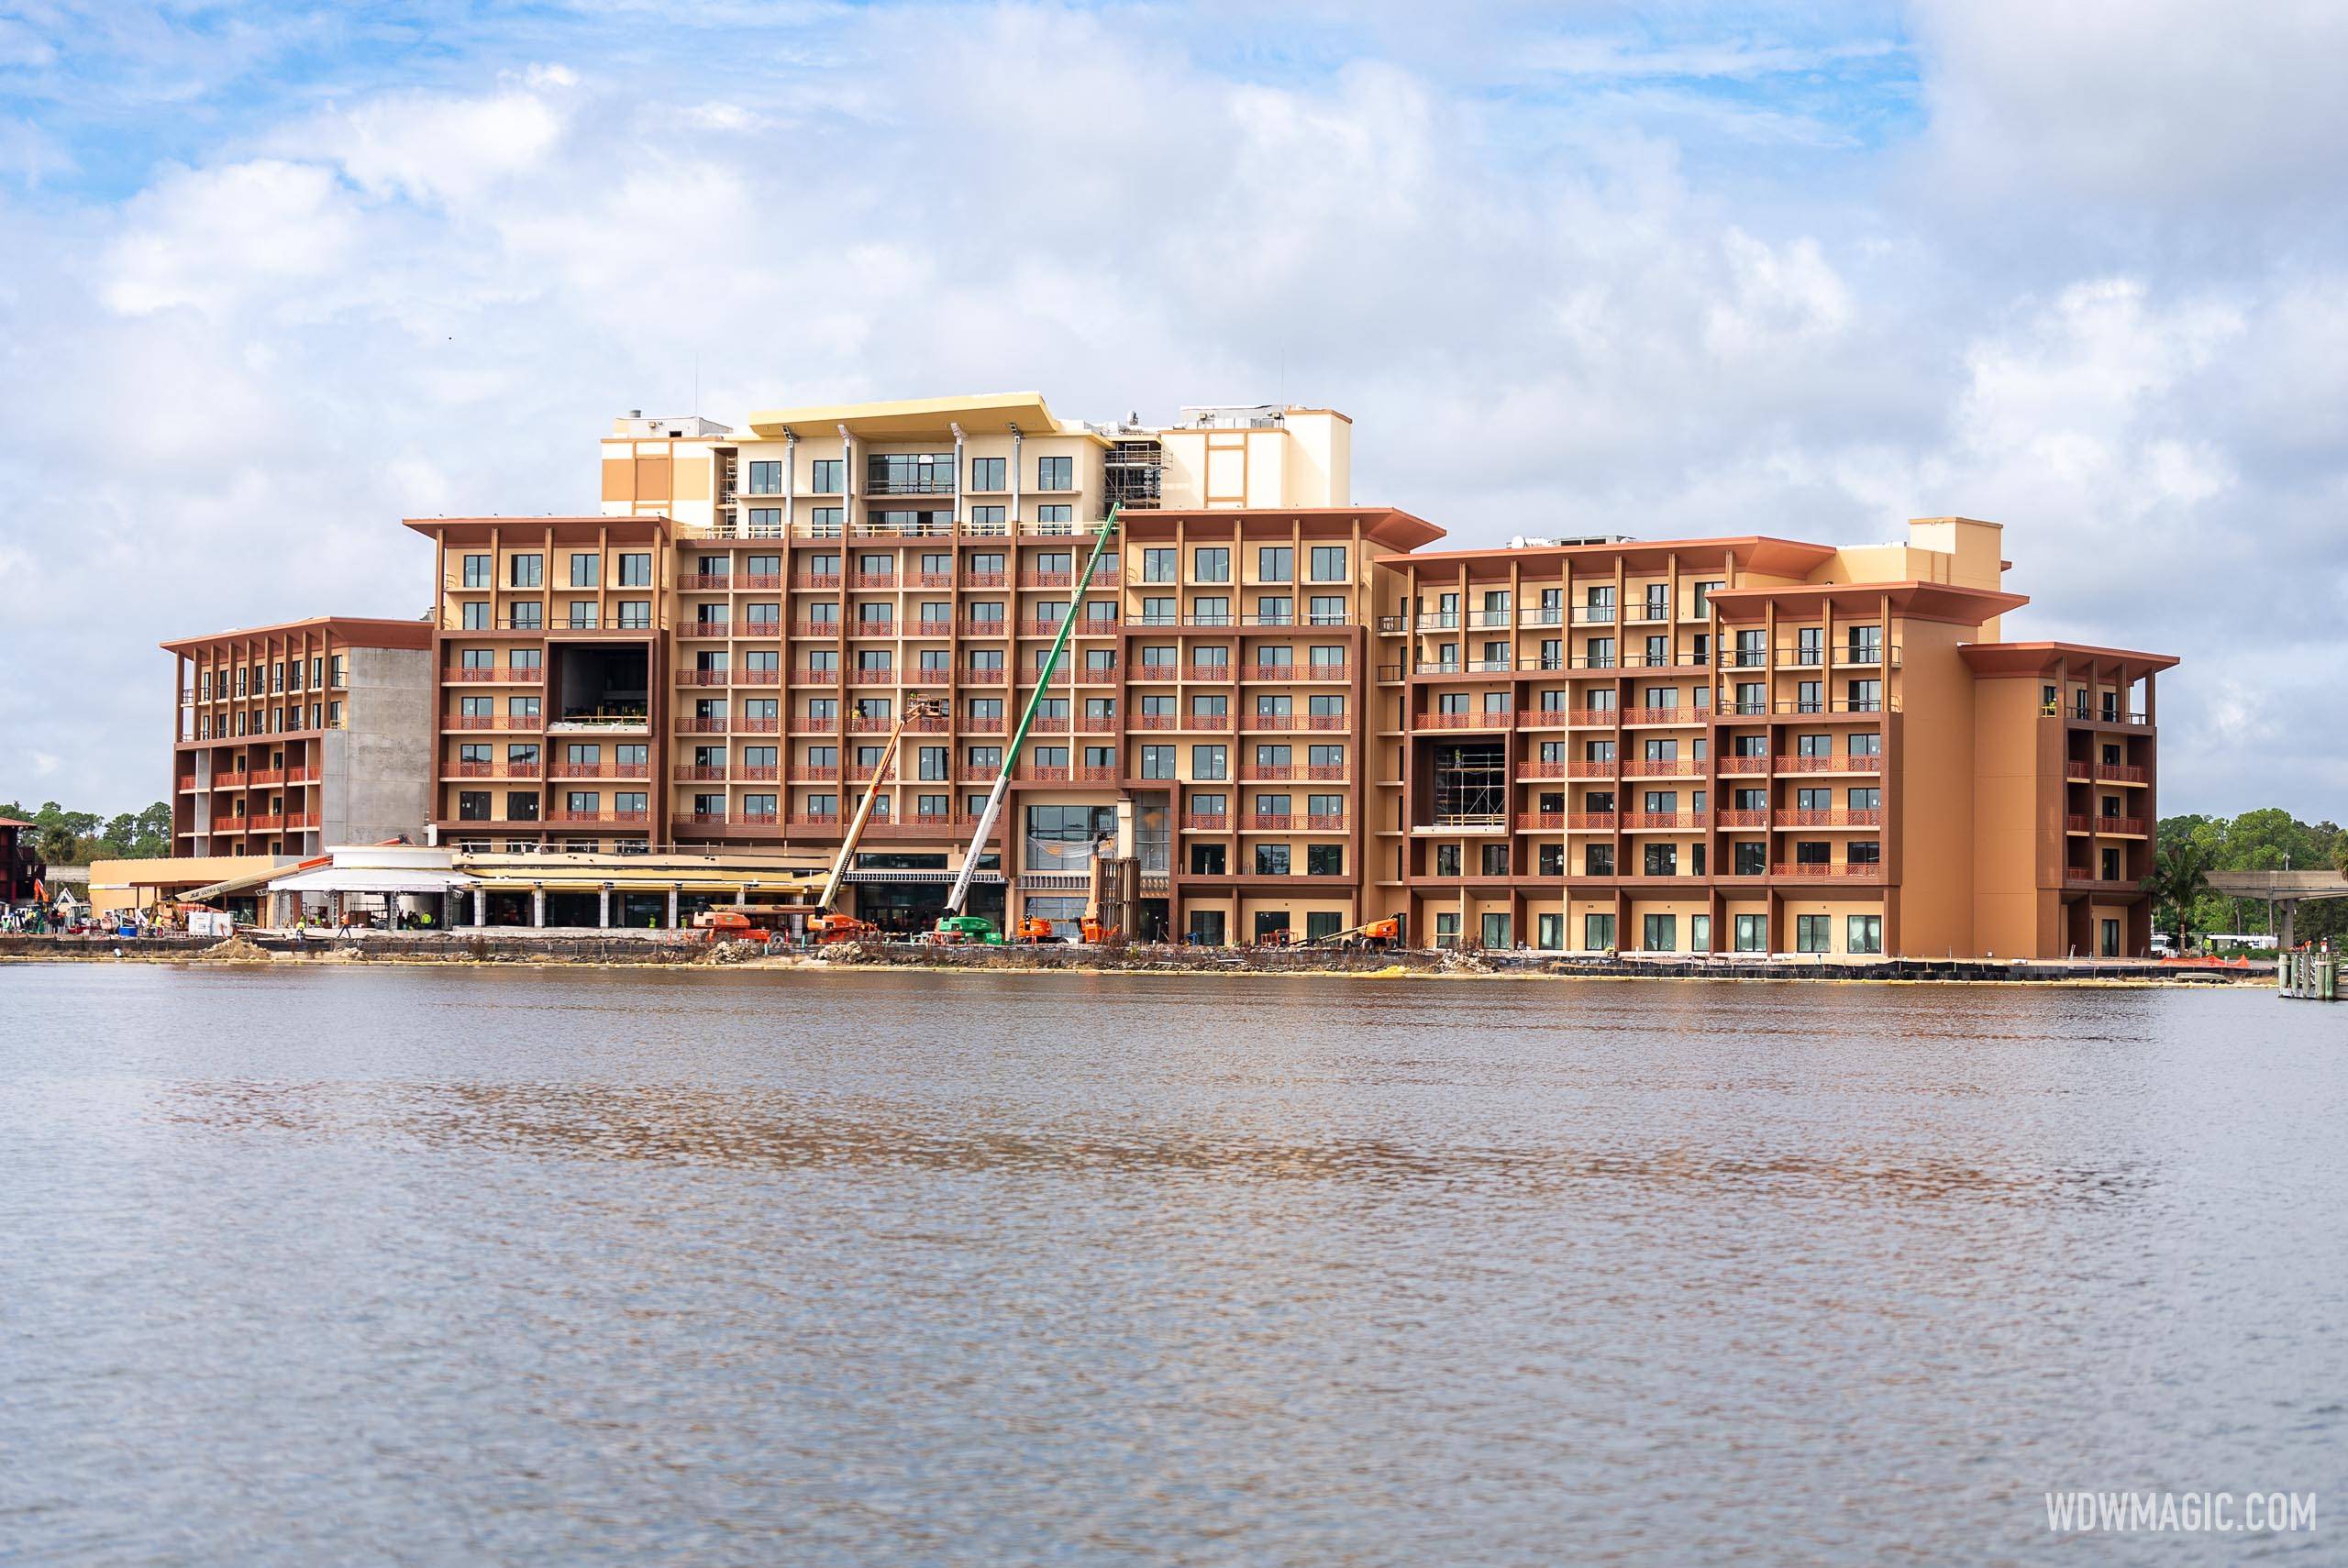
(1738, 743)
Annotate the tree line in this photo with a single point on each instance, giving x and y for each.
(2188, 848)
(76, 838)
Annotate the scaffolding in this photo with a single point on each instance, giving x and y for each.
(1470, 781)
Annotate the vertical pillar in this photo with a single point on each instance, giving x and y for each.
(604, 906)
(673, 909)
(481, 906)
(538, 906)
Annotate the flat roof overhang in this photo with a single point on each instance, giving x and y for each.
(978, 414)
(353, 631)
(1388, 525)
(1754, 552)
(2039, 659)
(652, 528)
(1911, 601)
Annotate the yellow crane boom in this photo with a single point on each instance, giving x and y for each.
(914, 708)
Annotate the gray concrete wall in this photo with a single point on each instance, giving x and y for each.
(378, 777)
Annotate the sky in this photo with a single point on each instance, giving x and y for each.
(273, 277)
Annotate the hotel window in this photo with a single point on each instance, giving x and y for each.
(472, 805)
(987, 518)
(1271, 860)
(528, 617)
(1752, 650)
(758, 808)
(1656, 655)
(989, 474)
(527, 571)
(757, 711)
(827, 473)
(766, 522)
(766, 478)
(635, 568)
(1325, 757)
(1206, 860)
(822, 805)
(1599, 654)
(1813, 934)
(1328, 563)
(1867, 696)
(522, 805)
(1056, 473)
(476, 708)
(632, 760)
(1328, 610)
(1549, 930)
(1813, 852)
(1868, 744)
(472, 615)
(1159, 564)
(477, 659)
(1660, 860)
(1492, 860)
(1750, 699)
(1659, 934)
(1752, 934)
(1813, 746)
(1551, 859)
(585, 570)
(636, 614)
(1157, 762)
(1864, 799)
(1703, 601)
(1598, 860)
(765, 619)
(1275, 563)
(522, 707)
(1598, 606)
(930, 764)
(480, 571)
(1210, 563)
(1863, 933)
(1810, 697)
(1598, 932)
(1447, 860)
(1658, 602)
(1699, 934)
(582, 614)
(1054, 515)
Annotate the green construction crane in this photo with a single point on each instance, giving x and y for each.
(954, 924)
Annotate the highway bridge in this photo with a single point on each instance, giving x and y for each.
(2282, 892)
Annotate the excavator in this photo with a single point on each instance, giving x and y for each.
(824, 925)
(954, 926)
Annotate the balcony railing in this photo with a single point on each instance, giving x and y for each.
(1812, 870)
(495, 674)
(1866, 817)
(1663, 767)
(1655, 822)
(689, 774)
(1207, 822)
(600, 770)
(815, 581)
(1741, 818)
(2080, 823)
(973, 675)
(601, 819)
(1500, 719)
(1845, 763)
(2114, 773)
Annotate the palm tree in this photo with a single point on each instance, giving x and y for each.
(2180, 875)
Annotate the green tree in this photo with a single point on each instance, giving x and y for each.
(2180, 877)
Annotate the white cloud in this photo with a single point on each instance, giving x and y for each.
(213, 238)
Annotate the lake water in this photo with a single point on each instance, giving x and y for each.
(353, 1264)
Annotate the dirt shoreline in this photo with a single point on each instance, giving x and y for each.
(639, 953)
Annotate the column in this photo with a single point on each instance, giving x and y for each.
(672, 902)
(481, 906)
(604, 906)
(538, 906)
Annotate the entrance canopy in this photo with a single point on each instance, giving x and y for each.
(355, 879)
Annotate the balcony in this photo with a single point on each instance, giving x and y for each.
(1665, 715)
(986, 628)
(1267, 772)
(696, 726)
(303, 820)
(1500, 719)
(1854, 818)
(2128, 826)
(1048, 580)
(815, 581)
(1814, 871)
(986, 580)
(860, 627)
(1663, 767)
(987, 725)
(1838, 705)
(1592, 718)
(600, 770)
(813, 820)
(758, 676)
(1662, 822)
(1542, 718)
(815, 677)
(601, 819)
(1741, 765)
(689, 774)
(705, 581)
(1741, 818)
(2080, 878)
(688, 630)
(494, 675)
(1207, 822)
(977, 676)
(2113, 773)
(815, 628)
(1845, 763)
(1525, 819)
(885, 676)
(1217, 674)
(493, 721)
(876, 582)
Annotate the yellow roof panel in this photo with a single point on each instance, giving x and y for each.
(983, 413)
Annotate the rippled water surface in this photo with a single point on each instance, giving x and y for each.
(403, 1265)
